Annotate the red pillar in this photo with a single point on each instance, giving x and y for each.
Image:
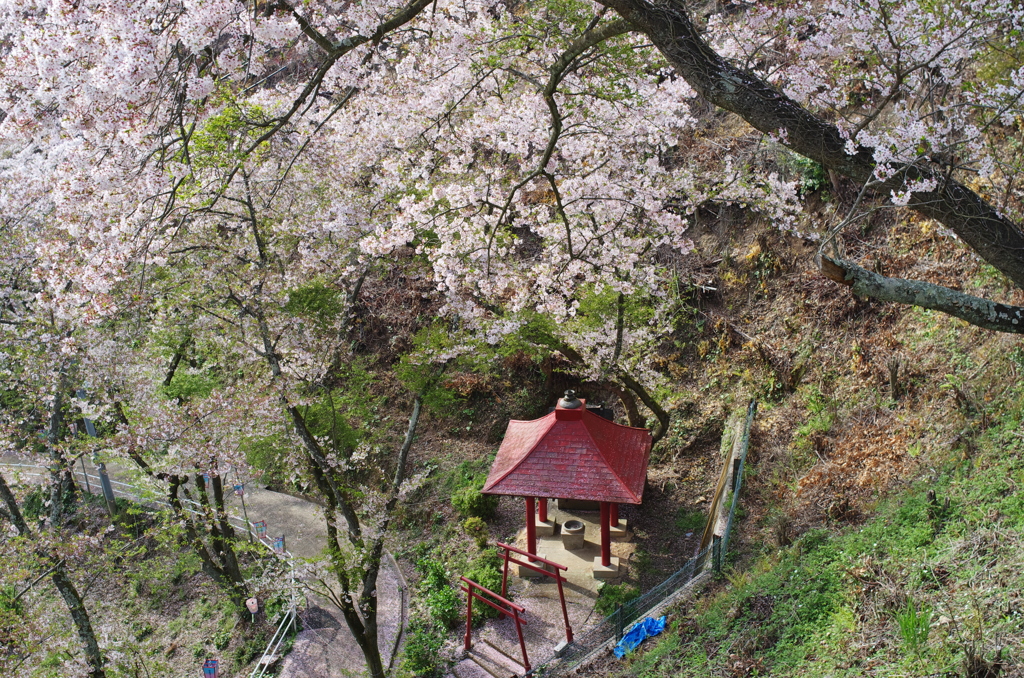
(468, 638)
(542, 510)
(531, 527)
(606, 536)
(615, 515)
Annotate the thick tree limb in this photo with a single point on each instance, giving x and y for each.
(667, 23)
(13, 510)
(986, 314)
(176, 360)
(83, 625)
(62, 484)
(652, 404)
(633, 415)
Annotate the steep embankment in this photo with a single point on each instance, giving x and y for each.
(929, 585)
(884, 528)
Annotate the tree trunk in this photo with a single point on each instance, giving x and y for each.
(220, 561)
(62, 484)
(64, 585)
(223, 541)
(82, 623)
(652, 404)
(628, 401)
(363, 622)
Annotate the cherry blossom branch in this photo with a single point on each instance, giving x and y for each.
(335, 52)
(590, 38)
(667, 23)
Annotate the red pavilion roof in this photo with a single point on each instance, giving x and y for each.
(572, 454)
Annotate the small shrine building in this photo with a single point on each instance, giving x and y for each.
(572, 453)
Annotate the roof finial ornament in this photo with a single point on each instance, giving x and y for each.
(570, 401)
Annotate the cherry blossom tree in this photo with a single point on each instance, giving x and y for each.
(506, 148)
(228, 173)
(50, 553)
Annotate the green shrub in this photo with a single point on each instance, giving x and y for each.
(445, 607)
(477, 529)
(470, 503)
(8, 600)
(486, 570)
(221, 639)
(613, 595)
(441, 601)
(34, 505)
(422, 653)
(249, 651)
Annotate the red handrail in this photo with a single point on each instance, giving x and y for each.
(531, 556)
(515, 610)
(556, 575)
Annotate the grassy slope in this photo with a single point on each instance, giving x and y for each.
(841, 602)
(843, 553)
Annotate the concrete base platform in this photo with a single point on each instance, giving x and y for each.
(619, 533)
(545, 529)
(609, 572)
(580, 562)
(527, 573)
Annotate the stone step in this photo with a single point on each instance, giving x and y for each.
(513, 661)
(495, 661)
(467, 668)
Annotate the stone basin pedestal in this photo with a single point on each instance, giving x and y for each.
(573, 535)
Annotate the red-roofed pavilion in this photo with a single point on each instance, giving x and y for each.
(572, 453)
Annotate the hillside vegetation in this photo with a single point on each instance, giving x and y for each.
(333, 247)
(884, 501)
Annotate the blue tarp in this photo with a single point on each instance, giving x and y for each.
(637, 633)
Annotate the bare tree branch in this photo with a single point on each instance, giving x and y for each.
(986, 314)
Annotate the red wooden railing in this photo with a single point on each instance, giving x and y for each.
(556, 575)
(470, 589)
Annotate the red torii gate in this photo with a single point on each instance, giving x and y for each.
(470, 589)
(556, 575)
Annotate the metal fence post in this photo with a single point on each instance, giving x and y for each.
(716, 553)
(85, 475)
(108, 490)
(618, 623)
